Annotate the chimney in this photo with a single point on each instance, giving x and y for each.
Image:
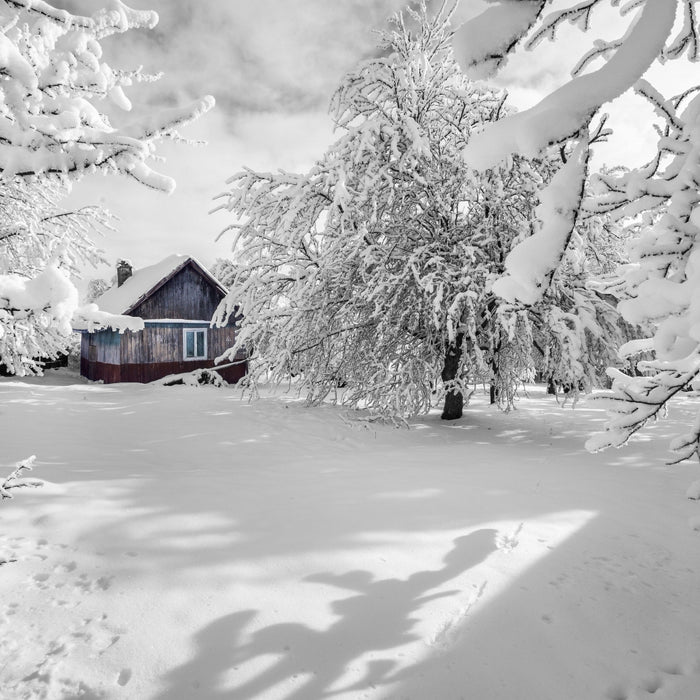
(123, 271)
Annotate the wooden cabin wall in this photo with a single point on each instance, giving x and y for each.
(157, 351)
(187, 295)
(102, 346)
(100, 356)
(108, 343)
(153, 344)
(161, 343)
(220, 340)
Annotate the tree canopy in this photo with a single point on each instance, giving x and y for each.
(373, 272)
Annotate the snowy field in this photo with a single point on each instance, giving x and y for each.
(194, 545)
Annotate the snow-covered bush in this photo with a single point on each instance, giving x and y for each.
(581, 329)
(199, 377)
(61, 110)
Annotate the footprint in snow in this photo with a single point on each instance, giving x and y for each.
(124, 676)
(672, 681)
(87, 585)
(49, 674)
(40, 580)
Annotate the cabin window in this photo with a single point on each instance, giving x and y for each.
(195, 343)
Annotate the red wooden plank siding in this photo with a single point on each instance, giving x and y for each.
(158, 370)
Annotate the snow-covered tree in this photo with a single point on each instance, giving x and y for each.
(373, 270)
(224, 270)
(578, 328)
(35, 229)
(61, 117)
(660, 289)
(566, 115)
(659, 200)
(96, 287)
(41, 246)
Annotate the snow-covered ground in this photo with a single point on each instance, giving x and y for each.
(194, 545)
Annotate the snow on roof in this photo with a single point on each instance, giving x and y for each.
(120, 300)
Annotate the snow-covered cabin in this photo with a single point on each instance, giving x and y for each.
(176, 298)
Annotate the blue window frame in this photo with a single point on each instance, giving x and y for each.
(195, 343)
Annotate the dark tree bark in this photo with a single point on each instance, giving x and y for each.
(454, 401)
(493, 390)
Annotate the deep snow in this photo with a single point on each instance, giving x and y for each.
(193, 545)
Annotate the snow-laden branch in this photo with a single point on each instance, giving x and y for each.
(532, 263)
(663, 282)
(117, 18)
(481, 46)
(562, 114)
(638, 400)
(16, 480)
(55, 83)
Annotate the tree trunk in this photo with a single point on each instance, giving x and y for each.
(454, 401)
(493, 390)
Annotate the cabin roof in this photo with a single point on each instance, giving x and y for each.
(144, 282)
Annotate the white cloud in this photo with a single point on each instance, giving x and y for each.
(272, 65)
(152, 225)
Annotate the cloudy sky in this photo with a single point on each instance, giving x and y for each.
(272, 66)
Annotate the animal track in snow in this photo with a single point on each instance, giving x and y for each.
(57, 582)
(43, 665)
